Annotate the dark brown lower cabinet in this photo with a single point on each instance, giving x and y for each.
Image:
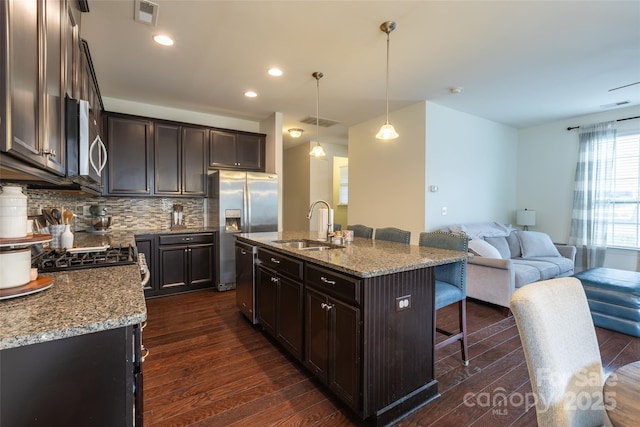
(86, 380)
(280, 308)
(186, 265)
(375, 356)
(332, 331)
(179, 262)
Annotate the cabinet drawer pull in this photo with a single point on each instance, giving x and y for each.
(187, 239)
(146, 353)
(326, 306)
(243, 252)
(275, 261)
(325, 280)
(274, 279)
(48, 152)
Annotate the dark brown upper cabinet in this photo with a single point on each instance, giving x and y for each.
(234, 150)
(54, 87)
(130, 148)
(180, 160)
(32, 60)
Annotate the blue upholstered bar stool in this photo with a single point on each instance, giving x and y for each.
(392, 234)
(451, 285)
(360, 230)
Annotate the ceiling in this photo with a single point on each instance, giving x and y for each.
(520, 63)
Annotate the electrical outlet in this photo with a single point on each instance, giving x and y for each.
(85, 211)
(403, 303)
(443, 211)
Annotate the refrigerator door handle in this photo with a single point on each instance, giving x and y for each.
(246, 212)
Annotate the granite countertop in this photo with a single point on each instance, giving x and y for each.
(127, 237)
(79, 302)
(362, 257)
(178, 231)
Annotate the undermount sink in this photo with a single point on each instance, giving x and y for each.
(307, 245)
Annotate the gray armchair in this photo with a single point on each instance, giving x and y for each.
(360, 230)
(392, 234)
(451, 285)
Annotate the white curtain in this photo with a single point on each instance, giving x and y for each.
(591, 203)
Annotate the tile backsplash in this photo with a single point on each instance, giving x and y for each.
(128, 213)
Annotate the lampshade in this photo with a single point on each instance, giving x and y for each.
(387, 131)
(526, 218)
(317, 151)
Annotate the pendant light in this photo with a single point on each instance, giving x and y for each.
(317, 150)
(387, 132)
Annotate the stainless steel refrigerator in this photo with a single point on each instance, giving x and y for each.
(239, 202)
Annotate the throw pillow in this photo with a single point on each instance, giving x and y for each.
(500, 243)
(481, 248)
(514, 244)
(536, 244)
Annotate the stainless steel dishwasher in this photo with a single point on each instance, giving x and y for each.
(246, 257)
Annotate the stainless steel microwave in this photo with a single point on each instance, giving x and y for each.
(86, 153)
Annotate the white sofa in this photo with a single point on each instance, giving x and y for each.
(505, 259)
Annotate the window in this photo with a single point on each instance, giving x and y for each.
(624, 224)
(343, 196)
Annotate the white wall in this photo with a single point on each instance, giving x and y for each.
(295, 178)
(471, 160)
(272, 127)
(339, 211)
(321, 177)
(547, 156)
(307, 179)
(473, 163)
(386, 179)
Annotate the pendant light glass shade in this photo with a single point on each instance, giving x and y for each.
(317, 150)
(387, 131)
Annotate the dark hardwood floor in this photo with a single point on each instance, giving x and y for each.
(209, 367)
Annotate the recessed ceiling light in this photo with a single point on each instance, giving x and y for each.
(276, 72)
(250, 94)
(163, 40)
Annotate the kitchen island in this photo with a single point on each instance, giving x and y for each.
(360, 316)
(70, 354)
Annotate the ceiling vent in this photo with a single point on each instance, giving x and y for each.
(325, 123)
(145, 12)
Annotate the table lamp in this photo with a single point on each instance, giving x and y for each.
(525, 218)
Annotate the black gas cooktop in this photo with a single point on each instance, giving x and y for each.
(76, 259)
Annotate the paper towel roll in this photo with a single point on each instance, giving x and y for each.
(323, 220)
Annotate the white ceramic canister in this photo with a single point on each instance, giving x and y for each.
(66, 238)
(15, 267)
(13, 212)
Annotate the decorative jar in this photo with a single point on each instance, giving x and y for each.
(13, 212)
